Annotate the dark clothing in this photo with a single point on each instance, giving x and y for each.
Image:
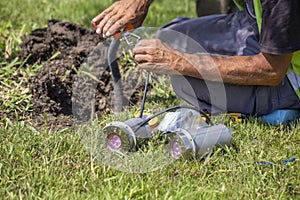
(280, 33)
(216, 97)
(228, 35)
(232, 34)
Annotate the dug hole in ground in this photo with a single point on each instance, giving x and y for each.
(61, 49)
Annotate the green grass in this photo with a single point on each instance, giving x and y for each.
(15, 96)
(45, 164)
(49, 164)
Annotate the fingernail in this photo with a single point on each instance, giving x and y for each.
(107, 34)
(98, 31)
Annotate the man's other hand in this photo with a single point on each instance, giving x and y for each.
(158, 57)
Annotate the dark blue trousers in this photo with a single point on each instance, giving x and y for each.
(225, 35)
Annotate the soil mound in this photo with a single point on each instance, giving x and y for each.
(61, 49)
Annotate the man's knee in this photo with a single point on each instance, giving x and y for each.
(186, 90)
(181, 86)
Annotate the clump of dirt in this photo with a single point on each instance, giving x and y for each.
(62, 48)
(75, 81)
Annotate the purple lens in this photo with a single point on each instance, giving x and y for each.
(113, 141)
(175, 149)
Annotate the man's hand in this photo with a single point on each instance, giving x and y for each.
(120, 14)
(158, 57)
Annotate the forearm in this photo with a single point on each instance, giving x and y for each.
(261, 69)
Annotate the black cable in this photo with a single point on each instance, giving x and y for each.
(144, 95)
(175, 108)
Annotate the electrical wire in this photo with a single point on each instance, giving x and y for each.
(175, 108)
(144, 95)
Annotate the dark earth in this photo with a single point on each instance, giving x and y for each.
(62, 49)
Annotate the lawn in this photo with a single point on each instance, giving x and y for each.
(45, 163)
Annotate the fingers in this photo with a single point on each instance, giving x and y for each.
(106, 20)
(109, 26)
(111, 20)
(140, 58)
(150, 55)
(98, 18)
(113, 26)
(152, 43)
(143, 43)
(143, 55)
(151, 46)
(139, 50)
(145, 51)
(120, 14)
(101, 16)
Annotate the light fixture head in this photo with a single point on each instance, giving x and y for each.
(124, 136)
(180, 144)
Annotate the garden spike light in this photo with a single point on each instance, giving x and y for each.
(123, 137)
(187, 134)
(197, 142)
